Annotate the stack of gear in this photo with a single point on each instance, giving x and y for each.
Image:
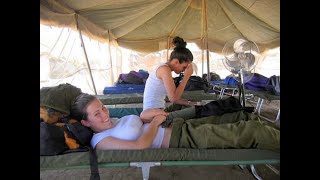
(58, 132)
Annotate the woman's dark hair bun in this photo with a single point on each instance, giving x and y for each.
(179, 42)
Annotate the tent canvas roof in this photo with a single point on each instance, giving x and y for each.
(149, 25)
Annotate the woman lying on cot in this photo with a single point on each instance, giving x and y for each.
(131, 132)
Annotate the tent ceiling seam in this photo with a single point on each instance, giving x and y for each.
(144, 21)
(94, 7)
(224, 10)
(153, 39)
(224, 27)
(178, 22)
(269, 41)
(64, 45)
(54, 45)
(257, 16)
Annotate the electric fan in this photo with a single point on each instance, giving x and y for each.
(241, 57)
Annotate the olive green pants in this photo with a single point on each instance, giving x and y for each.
(231, 130)
(178, 111)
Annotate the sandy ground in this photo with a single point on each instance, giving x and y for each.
(269, 109)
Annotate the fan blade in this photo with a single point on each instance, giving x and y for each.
(233, 62)
(238, 45)
(247, 61)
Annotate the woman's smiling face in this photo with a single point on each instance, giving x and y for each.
(98, 118)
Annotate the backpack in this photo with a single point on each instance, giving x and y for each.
(197, 83)
(68, 137)
(194, 83)
(64, 137)
(273, 85)
(231, 81)
(134, 77)
(214, 77)
(257, 82)
(144, 73)
(52, 140)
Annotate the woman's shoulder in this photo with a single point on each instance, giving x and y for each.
(164, 68)
(160, 65)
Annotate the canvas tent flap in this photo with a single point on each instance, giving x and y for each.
(148, 25)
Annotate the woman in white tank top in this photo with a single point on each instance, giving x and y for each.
(160, 81)
(128, 132)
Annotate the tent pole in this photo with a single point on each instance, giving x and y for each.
(202, 37)
(168, 47)
(85, 54)
(205, 19)
(208, 63)
(202, 55)
(112, 75)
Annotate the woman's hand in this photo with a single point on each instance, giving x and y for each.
(158, 120)
(148, 114)
(159, 112)
(192, 104)
(189, 70)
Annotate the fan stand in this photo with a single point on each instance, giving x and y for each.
(242, 88)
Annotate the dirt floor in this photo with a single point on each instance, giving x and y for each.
(269, 109)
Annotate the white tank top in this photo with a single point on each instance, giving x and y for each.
(128, 128)
(154, 92)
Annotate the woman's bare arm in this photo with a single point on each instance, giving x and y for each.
(185, 102)
(148, 114)
(174, 93)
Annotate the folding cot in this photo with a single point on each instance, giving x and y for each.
(133, 98)
(227, 86)
(162, 157)
(158, 157)
(223, 88)
(264, 95)
(124, 104)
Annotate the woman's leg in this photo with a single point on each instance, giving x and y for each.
(242, 134)
(186, 113)
(225, 118)
(190, 114)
